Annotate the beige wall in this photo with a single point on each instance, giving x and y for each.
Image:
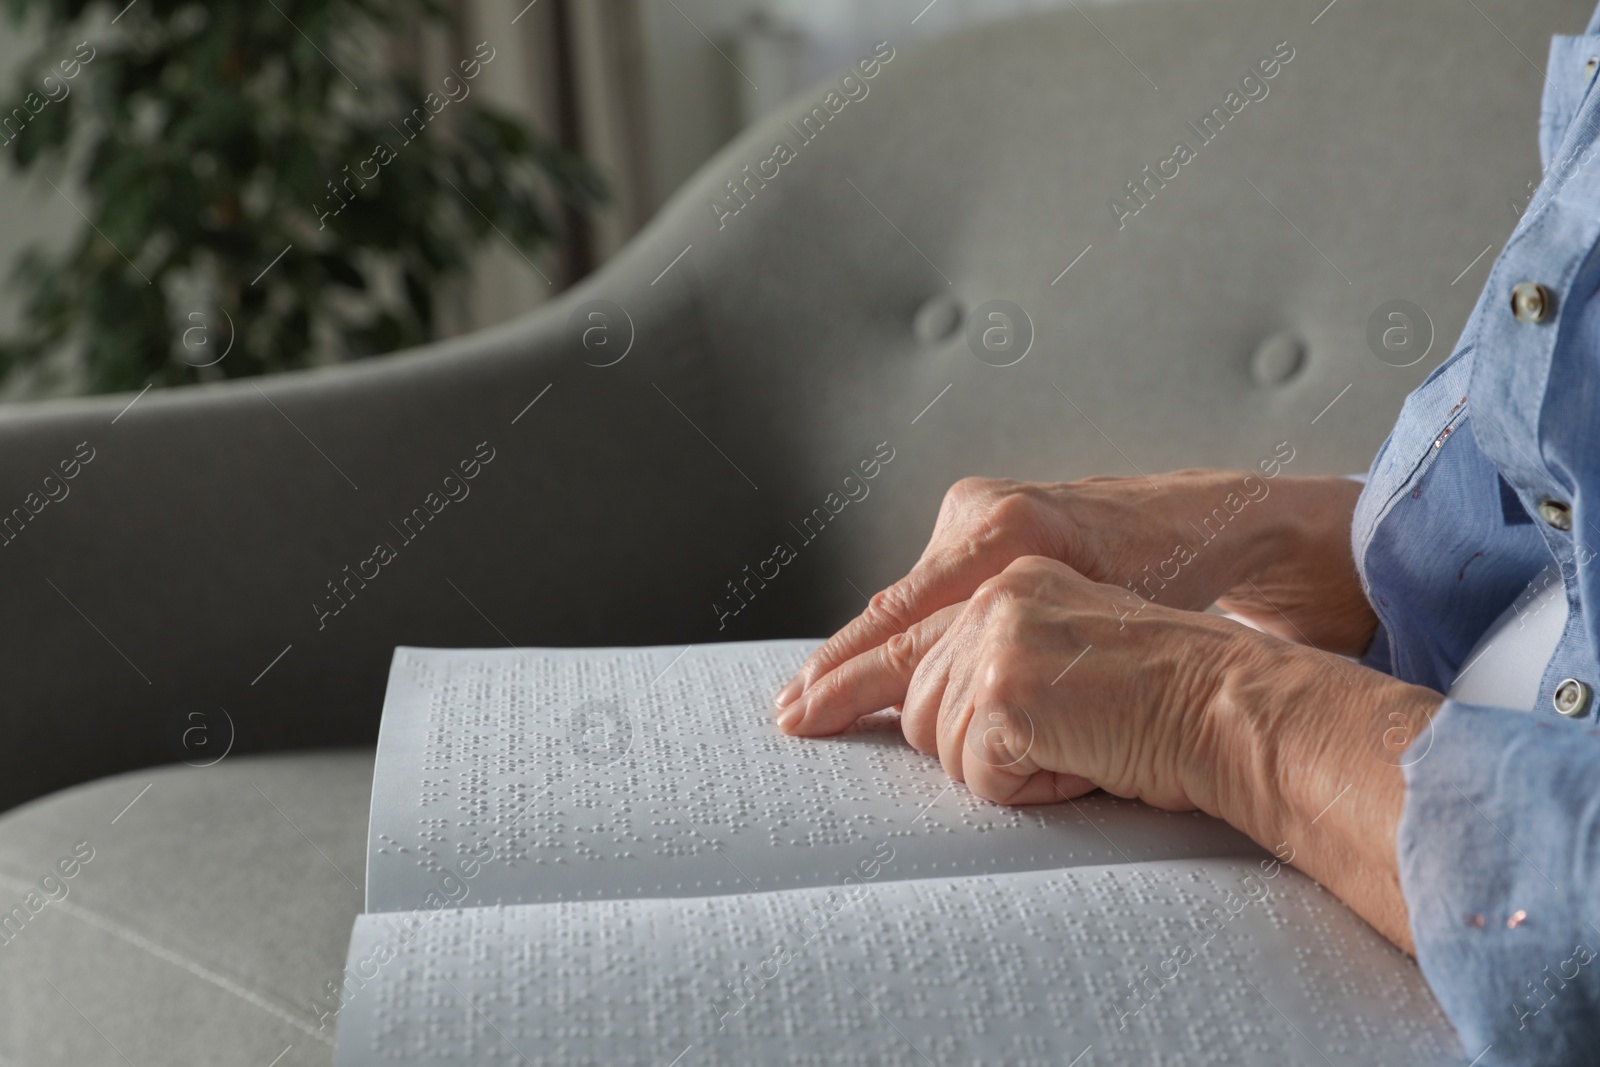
(696, 98)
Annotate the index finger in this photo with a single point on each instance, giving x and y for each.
(872, 681)
(936, 582)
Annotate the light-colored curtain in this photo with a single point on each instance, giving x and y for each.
(585, 89)
(574, 70)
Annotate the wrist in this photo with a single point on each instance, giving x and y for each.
(1237, 771)
(1289, 728)
(1307, 758)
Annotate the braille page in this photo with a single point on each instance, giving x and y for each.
(537, 775)
(1167, 963)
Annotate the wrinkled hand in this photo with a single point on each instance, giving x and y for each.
(1043, 686)
(1278, 553)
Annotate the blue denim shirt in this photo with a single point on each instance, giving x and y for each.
(1499, 843)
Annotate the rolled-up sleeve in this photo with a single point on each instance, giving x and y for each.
(1499, 856)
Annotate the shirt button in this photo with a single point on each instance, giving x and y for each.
(1571, 698)
(1590, 67)
(1530, 302)
(1556, 513)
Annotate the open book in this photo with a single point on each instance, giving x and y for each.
(610, 856)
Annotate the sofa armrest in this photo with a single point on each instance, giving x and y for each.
(233, 564)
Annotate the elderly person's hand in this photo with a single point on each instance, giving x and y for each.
(1271, 548)
(1043, 686)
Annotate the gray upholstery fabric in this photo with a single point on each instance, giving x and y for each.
(203, 928)
(770, 355)
(776, 353)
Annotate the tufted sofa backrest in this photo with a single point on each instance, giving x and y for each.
(1222, 230)
(1122, 239)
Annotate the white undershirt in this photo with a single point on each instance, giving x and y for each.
(1507, 664)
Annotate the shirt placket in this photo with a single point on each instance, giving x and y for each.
(1530, 287)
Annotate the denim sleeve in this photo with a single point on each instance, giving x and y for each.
(1499, 854)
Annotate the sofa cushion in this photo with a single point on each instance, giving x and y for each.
(183, 915)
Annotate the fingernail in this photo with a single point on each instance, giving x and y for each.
(790, 718)
(787, 694)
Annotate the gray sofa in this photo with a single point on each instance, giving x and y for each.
(194, 676)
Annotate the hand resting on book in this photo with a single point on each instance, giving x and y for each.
(1050, 642)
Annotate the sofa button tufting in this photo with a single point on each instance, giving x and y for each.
(1278, 359)
(936, 319)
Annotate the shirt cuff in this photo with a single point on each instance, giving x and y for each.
(1499, 855)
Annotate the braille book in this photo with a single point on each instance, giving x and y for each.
(611, 856)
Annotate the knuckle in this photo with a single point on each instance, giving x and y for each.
(1007, 679)
(1029, 571)
(999, 738)
(990, 595)
(1001, 593)
(968, 489)
(900, 652)
(827, 690)
(975, 495)
(821, 662)
(1018, 505)
(1011, 720)
(890, 608)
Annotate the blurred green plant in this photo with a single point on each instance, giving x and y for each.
(201, 140)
